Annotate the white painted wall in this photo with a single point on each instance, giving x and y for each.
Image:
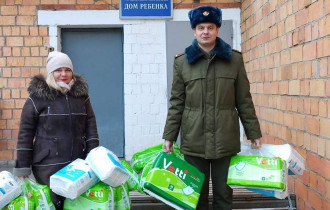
(145, 72)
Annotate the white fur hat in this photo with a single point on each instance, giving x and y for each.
(57, 60)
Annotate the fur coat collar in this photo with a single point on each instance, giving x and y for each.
(39, 88)
(221, 50)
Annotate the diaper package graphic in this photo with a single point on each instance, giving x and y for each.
(258, 172)
(107, 166)
(100, 196)
(140, 159)
(134, 179)
(74, 179)
(41, 195)
(174, 181)
(9, 188)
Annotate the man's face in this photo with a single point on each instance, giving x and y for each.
(206, 33)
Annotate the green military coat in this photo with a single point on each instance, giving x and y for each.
(209, 95)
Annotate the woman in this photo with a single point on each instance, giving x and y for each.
(57, 124)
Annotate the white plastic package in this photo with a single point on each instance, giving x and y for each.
(73, 180)
(107, 166)
(9, 188)
(295, 162)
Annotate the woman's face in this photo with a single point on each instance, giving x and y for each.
(63, 75)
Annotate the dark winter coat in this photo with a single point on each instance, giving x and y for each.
(55, 128)
(209, 95)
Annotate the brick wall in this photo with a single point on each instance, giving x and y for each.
(286, 48)
(22, 55)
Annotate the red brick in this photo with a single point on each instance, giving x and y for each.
(68, 2)
(14, 41)
(24, 30)
(325, 169)
(6, 94)
(6, 114)
(298, 121)
(16, 83)
(6, 155)
(17, 113)
(327, 189)
(35, 51)
(315, 11)
(15, 61)
(313, 180)
(8, 10)
(19, 103)
(31, 2)
(323, 108)
(16, 51)
(294, 87)
(312, 125)
(317, 87)
(313, 146)
(314, 199)
(324, 24)
(33, 61)
(15, 31)
(6, 134)
(15, 93)
(43, 31)
(16, 72)
(33, 41)
(27, 10)
(296, 54)
(7, 104)
(314, 106)
(309, 51)
(24, 93)
(304, 87)
(328, 88)
(301, 18)
(290, 23)
(313, 162)
(26, 51)
(7, 20)
(301, 190)
(25, 20)
(12, 144)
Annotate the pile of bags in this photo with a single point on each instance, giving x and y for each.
(265, 170)
(102, 181)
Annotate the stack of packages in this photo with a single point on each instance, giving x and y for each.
(265, 170)
(99, 182)
(23, 194)
(168, 178)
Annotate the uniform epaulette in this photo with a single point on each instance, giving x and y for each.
(237, 51)
(178, 55)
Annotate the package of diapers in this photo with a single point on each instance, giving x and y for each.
(174, 182)
(134, 178)
(144, 174)
(74, 179)
(107, 166)
(24, 201)
(100, 196)
(257, 172)
(140, 159)
(295, 162)
(41, 195)
(122, 200)
(21, 202)
(9, 188)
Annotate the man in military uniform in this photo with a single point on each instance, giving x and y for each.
(210, 92)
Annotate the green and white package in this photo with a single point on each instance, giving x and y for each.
(140, 159)
(24, 201)
(41, 195)
(21, 202)
(122, 200)
(174, 181)
(134, 179)
(257, 171)
(144, 174)
(100, 197)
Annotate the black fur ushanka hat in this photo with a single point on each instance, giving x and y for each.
(205, 14)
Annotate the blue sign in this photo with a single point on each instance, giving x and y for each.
(143, 9)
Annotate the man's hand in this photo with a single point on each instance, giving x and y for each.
(168, 146)
(256, 143)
